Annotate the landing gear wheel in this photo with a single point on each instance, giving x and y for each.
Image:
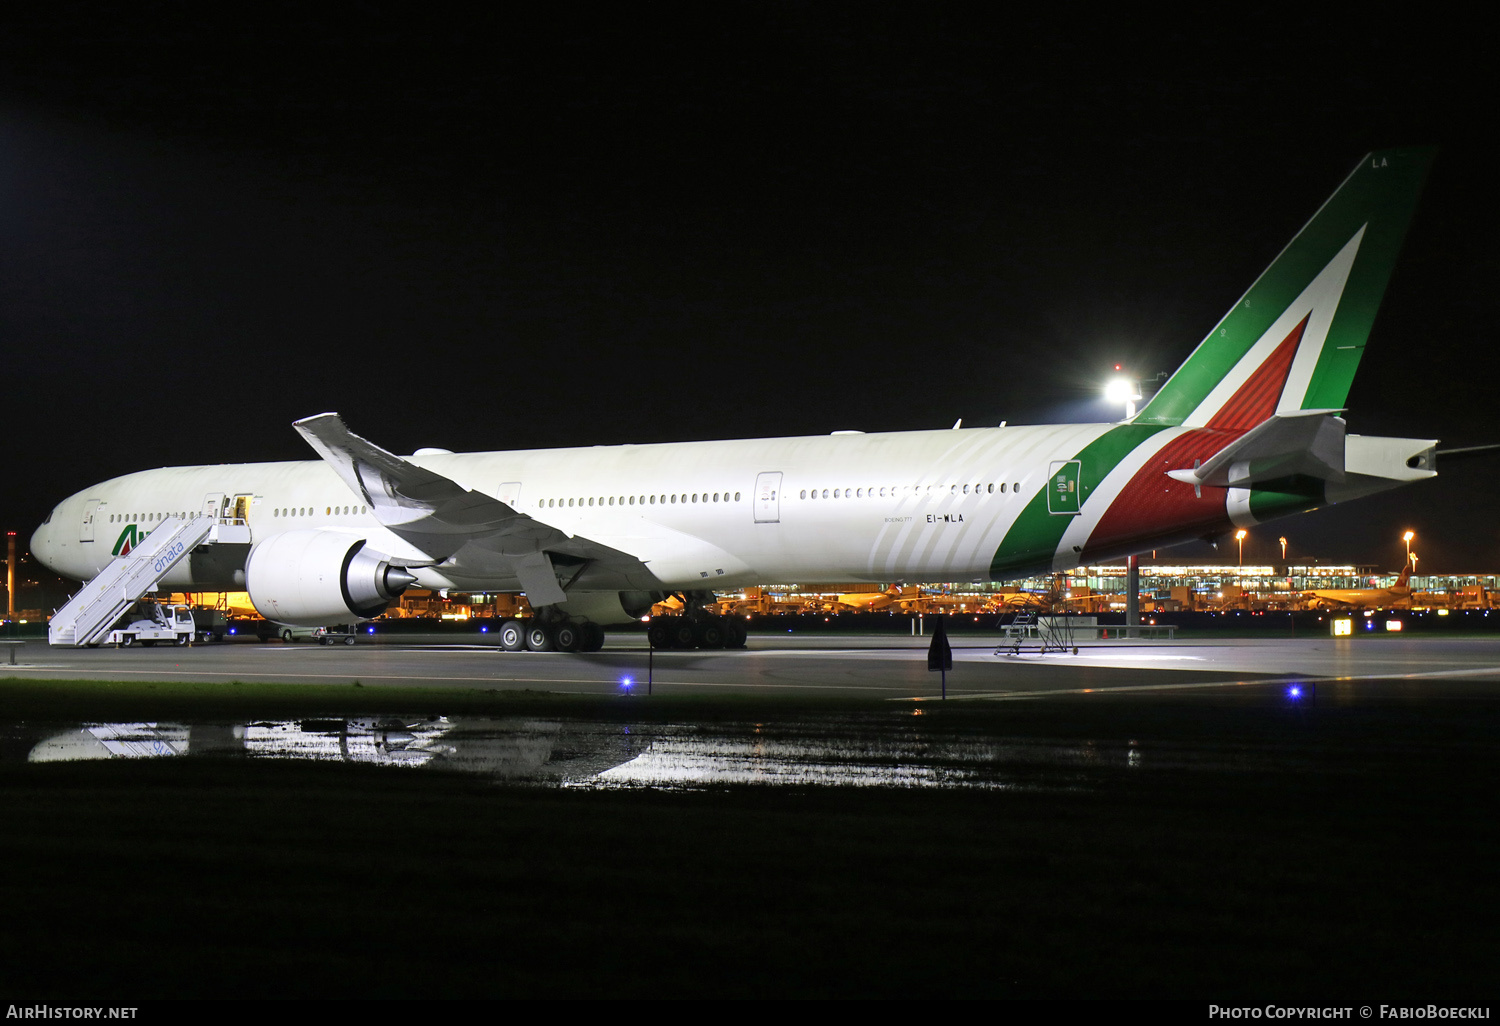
(513, 636)
(659, 634)
(569, 637)
(709, 634)
(738, 631)
(593, 637)
(683, 635)
(539, 639)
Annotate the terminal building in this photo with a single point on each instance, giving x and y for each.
(1164, 588)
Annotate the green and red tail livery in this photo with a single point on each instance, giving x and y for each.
(1288, 347)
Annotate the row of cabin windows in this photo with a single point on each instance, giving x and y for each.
(301, 511)
(142, 518)
(643, 500)
(894, 491)
(307, 511)
(628, 500)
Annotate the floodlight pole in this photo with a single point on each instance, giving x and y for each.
(10, 575)
(1132, 594)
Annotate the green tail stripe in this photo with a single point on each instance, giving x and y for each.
(1033, 539)
(1381, 193)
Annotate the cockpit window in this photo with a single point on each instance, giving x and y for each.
(48, 518)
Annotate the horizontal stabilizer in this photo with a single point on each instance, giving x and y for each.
(1308, 442)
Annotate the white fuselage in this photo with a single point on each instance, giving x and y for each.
(922, 505)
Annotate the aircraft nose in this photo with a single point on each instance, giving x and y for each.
(41, 543)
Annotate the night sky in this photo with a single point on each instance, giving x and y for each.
(693, 223)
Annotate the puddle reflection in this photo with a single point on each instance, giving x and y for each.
(605, 755)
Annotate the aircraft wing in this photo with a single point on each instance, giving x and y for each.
(446, 521)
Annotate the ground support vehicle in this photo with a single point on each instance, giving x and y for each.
(173, 624)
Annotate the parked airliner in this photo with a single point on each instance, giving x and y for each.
(1397, 596)
(1247, 429)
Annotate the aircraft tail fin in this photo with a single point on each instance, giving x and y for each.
(1293, 341)
(1404, 581)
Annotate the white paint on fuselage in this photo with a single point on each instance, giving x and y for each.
(897, 515)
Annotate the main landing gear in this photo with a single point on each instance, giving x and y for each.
(705, 632)
(552, 630)
(551, 636)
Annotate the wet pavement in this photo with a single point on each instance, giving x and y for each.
(899, 748)
(892, 667)
(861, 751)
(902, 748)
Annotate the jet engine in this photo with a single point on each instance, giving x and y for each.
(609, 608)
(315, 578)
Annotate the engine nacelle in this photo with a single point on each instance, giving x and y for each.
(316, 578)
(610, 608)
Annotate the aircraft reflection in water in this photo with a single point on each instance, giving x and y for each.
(504, 749)
(839, 752)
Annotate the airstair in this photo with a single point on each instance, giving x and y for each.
(1054, 632)
(90, 614)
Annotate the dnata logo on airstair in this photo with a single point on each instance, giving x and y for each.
(129, 539)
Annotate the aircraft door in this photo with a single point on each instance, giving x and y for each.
(242, 509)
(213, 505)
(768, 497)
(1063, 497)
(91, 513)
(510, 493)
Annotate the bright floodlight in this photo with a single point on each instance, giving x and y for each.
(1121, 390)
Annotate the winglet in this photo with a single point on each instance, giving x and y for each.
(399, 492)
